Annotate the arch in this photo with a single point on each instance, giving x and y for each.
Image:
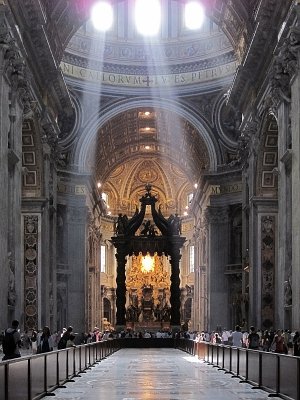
(107, 309)
(81, 152)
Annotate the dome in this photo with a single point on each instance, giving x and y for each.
(176, 58)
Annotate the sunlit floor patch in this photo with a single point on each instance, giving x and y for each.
(156, 374)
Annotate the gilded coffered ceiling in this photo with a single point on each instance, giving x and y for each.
(150, 133)
(147, 145)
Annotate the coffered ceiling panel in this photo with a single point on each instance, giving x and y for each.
(147, 132)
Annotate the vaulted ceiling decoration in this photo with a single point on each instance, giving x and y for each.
(145, 133)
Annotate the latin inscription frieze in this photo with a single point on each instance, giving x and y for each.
(163, 80)
(78, 190)
(225, 189)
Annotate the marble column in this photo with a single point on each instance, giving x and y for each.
(175, 289)
(196, 298)
(10, 181)
(284, 264)
(46, 283)
(121, 289)
(295, 127)
(218, 244)
(76, 251)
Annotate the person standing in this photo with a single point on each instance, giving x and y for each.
(237, 337)
(70, 341)
(44, 341)
(253, 339)
(33, 340)
(296, 344)
(12, 342)
(62, 344)
(279, 342)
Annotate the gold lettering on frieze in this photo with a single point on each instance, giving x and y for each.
(78, 190)
(224, 189)
(186, 78)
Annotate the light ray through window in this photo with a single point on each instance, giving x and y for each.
(148, 17)
(194, 15)
(102, 16)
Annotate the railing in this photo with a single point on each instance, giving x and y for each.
(278, 374)
(33, 377)
(36, 376)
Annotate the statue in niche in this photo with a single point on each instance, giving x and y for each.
(11, 299)
(132, 313)
(288, 289)
(166, 313)
(157, 312)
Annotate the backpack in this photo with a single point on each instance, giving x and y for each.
(254, 341)
(9, 344)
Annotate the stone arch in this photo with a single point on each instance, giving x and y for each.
(187, 309)
(107, 309)
(81, 154)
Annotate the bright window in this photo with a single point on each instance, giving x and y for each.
(105, 198)
(192, 258)
(148, 17)
(193, 15)
(102, 16)
(190, 198)
(103, 259)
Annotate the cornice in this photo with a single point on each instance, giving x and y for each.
(137, 69)
(270, 14)
(41, 49)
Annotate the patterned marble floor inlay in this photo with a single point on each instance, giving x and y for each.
(156, 374)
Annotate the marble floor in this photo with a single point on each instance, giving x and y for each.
(156, 374)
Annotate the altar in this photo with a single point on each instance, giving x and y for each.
(148, 271)
(151, 326)
(147, 292)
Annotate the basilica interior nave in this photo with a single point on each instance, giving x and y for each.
(150, 182)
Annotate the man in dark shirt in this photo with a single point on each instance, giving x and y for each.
(11, 348)
(253, 339)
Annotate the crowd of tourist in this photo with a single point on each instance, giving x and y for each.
(42, 341)
(278, 341)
